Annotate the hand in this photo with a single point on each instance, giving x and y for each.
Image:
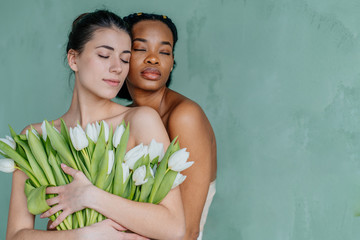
(71, 197)
(108, 229)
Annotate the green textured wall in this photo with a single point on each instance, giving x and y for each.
(278, 79)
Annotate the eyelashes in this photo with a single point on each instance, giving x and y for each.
(143, 50)
(165, 53)
(103, 56)
(106, 57)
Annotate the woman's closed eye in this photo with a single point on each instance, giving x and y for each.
(103, 56)
(139, 49)
(125, 61)
(165, 53)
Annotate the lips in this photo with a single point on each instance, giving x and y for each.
(151, 73)
(112, 82)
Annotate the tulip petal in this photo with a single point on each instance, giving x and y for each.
(7, 165)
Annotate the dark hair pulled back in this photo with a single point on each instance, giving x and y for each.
(86, 24)
(134, 18)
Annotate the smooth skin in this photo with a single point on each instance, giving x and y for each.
(150, 65)
(100, 71)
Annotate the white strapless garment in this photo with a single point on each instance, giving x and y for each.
(209, 198)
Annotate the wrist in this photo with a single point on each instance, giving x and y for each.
(82, 233)
(90, 197)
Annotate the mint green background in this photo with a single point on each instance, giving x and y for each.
(278, 79)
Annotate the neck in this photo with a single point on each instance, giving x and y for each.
(87, 108)
(151, 99)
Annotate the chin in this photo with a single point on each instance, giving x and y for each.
(109, 95)
(152, 86)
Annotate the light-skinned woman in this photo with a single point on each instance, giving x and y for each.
(98, 52)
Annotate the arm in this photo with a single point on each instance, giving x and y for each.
(163, 221)
(21, 222)
(189, 122)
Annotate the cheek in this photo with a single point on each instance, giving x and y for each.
(126, 69)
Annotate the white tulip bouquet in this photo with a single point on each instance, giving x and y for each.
(143, 174)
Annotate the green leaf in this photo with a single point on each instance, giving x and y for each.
(102, 170)
(65, 176)
(111, 133)
(98, 153)
(36, 168)
(132, 189)
(12, 132)
(11, 153)
(59, 177)
(36, 198)
(60, 145)
(39, 153)
(161, 170)
(165, 186)
(119, 186)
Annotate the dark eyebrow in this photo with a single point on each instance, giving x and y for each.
(112, 49)
(166, 43)
(144, 40)
(140, 40)
(106, 46)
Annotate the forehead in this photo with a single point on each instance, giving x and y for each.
(152, 29)
(111, 36)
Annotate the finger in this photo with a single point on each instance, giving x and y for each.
(68, 170)
(118, 226)
(60, 218)
(53, 190)
(53, 201)
(51, 211)
(48, 226)
(132, 236)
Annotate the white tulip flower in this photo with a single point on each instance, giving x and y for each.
(106, 129)
(178, 180)
(177, 161)
(92, 132)
(98, 127)
(117, 135)
(43, 129)
(152, 172)
(134, 154)
(33, 131)
(9, 141)
(139, 175)
(156, 149)
(111, 161)
(126, 171)
(154, 169)
(78, 138)
(7, 165)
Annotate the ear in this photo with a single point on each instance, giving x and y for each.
(172, 65)
(71, 57)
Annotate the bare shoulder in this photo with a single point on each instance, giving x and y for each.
(188, 120)
(145, 125)
(186, 111)
(37, 126)
(142, 115)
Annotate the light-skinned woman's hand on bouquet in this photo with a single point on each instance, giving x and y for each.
(108, 229)
(70, 198)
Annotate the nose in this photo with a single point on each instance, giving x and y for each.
(116, 66)
(152, 59)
